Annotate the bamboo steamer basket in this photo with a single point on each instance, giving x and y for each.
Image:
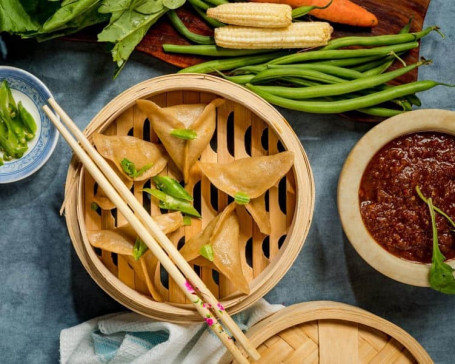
(327, 332)
(246, 126)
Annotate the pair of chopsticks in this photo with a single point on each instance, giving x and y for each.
(158, 243)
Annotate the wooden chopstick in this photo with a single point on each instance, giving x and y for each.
(157, 234)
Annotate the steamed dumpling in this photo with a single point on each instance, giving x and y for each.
(222, 233)
(121, 241)
(253, 175)
(198, 117)
(140, 152)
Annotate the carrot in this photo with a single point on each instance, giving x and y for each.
(340, 11)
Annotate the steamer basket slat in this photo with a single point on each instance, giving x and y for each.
(246, 126)
(324, 332)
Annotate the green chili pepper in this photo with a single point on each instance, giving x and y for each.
(241, 198)
(171, 203)
(139, 248)
(26, 118)
(207, 252)
(186, 134)
(130, 168)
(171, 187)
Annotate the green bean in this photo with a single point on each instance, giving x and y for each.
(217, 2)
(300, 81)
(210, 50)
(274, 73)
(370, 65)
(380, 40)
(414, 100)
(378, 69)
(380, 111)
(183, 30)
(331, 70)
(213, 22)
(241, 79)
(341, 106)
(231, 63)
(345, 62)
(304, 10)
(200, 4)
(335, 89)
(344, 53)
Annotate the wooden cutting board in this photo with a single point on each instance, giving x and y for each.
(392, 16)
(325, 332)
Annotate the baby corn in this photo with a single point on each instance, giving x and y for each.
(297, 35)
(260, 15)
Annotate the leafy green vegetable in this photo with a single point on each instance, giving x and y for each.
(128, 20)
(15, 19)
(441, 274)
(139, 248)
(69, 11)
(186, 221)
(207, 252)
(186, 134)
(173, 4)
(130, 168)
(127, 29)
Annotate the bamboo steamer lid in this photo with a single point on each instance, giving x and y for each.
(246, 126)
(332, 333)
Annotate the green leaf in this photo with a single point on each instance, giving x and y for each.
(149, 6)
(126, 32)
(14, 18)
(187, 221)
(68, 12)
(139, 248)
(111, 6)
(441, 274)
(241, 198)
(186, 134)
(207, 252)
(173, 4)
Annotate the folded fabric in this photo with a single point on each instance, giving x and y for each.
(131, 338)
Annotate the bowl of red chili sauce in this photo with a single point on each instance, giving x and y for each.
(382, 214)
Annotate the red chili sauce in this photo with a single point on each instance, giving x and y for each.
(392, 211)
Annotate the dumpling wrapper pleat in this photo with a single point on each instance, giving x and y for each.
(121, 241)
(256, 208)
(140, 152)
(199, 117)
(222, 233)
(253, 175)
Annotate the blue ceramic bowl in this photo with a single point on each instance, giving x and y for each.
(33, 94)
